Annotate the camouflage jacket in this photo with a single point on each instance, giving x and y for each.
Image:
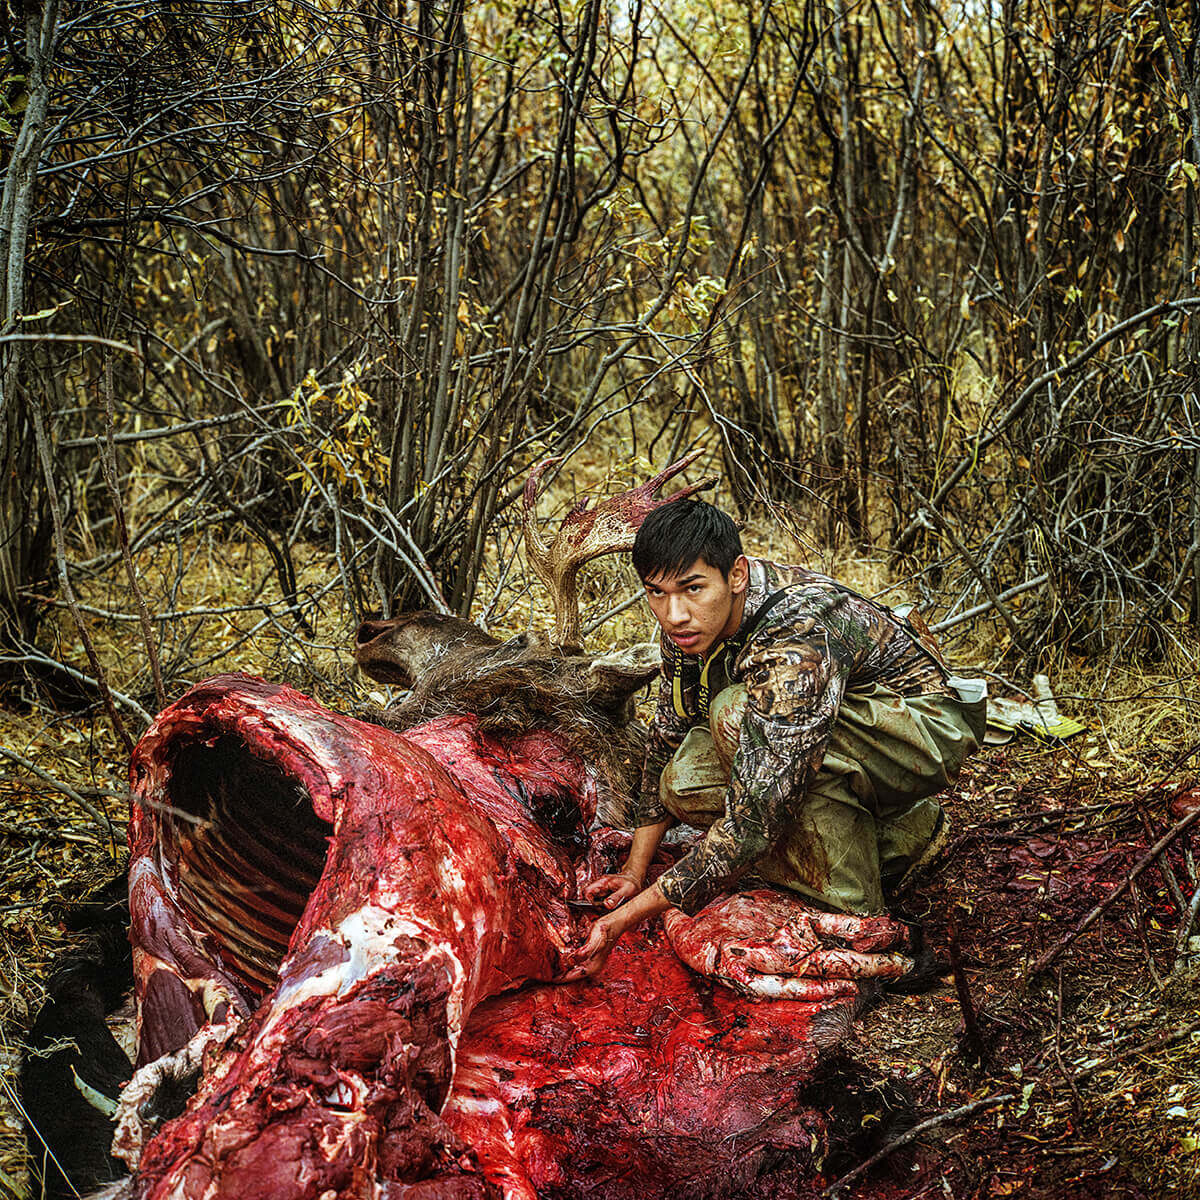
(816, 643)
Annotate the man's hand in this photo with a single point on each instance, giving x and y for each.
(592, 956)
(620, 886)
(605, 933)
(611, 890)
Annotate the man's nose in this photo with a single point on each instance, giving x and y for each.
(677, 613)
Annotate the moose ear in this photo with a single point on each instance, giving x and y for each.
(613, 678)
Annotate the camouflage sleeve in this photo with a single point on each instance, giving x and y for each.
(795, 687)
(667, 731)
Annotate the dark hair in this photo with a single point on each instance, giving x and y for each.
(675, 536)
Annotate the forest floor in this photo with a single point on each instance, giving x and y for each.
(1080, 1081)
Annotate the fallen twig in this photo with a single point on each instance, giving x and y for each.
(1044, 815)
(1185, 931)
(109, 615)
(82, 788)
(1140, 923)
(911, 1135)
(40, 833)
(66, 789)
(962, 987)
(1090, 919)
(36, 657)
(1160, 1041)
(1062, 1066)
(1168, 872)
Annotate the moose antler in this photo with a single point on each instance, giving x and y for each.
(586, 533)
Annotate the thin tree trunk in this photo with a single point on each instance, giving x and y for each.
(23, 545)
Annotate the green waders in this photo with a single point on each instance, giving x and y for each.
(869, 814)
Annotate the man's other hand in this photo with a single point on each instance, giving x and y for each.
(607, 930)
(611, 890)
(593, 954)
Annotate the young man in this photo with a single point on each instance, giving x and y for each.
(806, 727)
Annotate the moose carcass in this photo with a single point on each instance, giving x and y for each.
(349, 898)
(320, 905)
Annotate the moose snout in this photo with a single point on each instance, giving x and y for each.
(380, 654)
(368, 631)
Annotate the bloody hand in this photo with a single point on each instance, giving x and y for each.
(611, 890)
(593, 954)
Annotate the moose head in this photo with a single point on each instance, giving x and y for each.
(451, 662)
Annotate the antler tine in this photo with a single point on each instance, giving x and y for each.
(587, 533)
(533, 484)
(677, 467)
(535, 544)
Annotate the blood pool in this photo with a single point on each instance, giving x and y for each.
(651, 1081)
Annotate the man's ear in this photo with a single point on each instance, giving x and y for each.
(739, 575)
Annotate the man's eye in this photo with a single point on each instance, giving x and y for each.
(695, 587)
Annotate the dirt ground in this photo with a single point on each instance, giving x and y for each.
(1082, 1080)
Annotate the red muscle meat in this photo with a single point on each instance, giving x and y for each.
(422, 903)
(768, 946)
(651, 1083)
(358, 906)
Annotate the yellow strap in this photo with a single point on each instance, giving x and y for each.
(677, 682)
(708, 662)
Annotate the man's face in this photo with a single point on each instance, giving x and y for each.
(699, 607)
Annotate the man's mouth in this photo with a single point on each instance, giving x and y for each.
(685, 640)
